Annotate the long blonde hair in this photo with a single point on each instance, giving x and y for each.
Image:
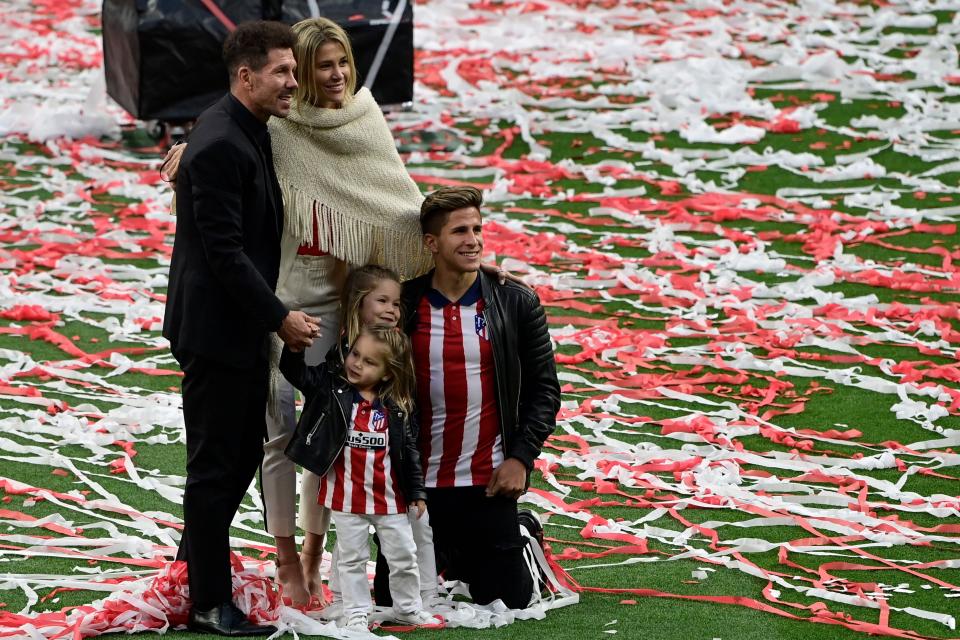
(312, 34)
(399, 384)
(359, 283)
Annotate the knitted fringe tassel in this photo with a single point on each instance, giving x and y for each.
(406, 255)
(358, 242)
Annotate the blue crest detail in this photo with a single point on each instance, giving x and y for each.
(379, 421)
(480, 326)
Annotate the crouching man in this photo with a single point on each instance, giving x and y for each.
(488, 396)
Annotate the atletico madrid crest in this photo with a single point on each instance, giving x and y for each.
(480, 325)
(379, 422)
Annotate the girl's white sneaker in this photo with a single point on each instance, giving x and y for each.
(357, 622)
(417, 618)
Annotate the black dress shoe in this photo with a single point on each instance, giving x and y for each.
(226, 620)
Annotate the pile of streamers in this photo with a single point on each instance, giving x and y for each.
(700, 326)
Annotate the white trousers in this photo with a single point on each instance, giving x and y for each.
(426, 558)
(353, 551)
(278, 474)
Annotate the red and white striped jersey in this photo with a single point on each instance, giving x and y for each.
(460, 441)
(363, 480)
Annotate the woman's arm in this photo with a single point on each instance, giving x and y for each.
(502, 275)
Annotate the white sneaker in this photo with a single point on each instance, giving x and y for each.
(417, 618)
(357, 622)
(432, 600)
(333, 610)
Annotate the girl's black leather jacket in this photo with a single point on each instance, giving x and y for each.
(323, 423)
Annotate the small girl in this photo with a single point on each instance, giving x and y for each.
(371, 296)
(360, 440)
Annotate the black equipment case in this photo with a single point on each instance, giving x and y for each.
(162, 57)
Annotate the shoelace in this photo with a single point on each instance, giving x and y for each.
(357, 621)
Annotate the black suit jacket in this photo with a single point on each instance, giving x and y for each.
(226, 253)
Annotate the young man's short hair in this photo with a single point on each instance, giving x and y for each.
(436, 209)
(250, 44)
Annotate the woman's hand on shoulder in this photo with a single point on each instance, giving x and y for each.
(502, 275)
(171, 163)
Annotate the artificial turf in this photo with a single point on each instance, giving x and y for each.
(589, 245)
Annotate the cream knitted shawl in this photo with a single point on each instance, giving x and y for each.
(340, 168)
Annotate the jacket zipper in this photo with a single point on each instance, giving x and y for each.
(403, 433)
(315, 427)
(497, 372)
(343, 443)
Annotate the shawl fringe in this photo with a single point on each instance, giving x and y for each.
(355, 241)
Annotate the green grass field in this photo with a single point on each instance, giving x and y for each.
(725, 313)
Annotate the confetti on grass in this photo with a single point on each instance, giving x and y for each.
(741, 217)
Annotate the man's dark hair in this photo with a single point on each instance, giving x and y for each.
(250, 44)
(436, 209)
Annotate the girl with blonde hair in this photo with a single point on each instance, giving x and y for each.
(348, 201)
(358, 434)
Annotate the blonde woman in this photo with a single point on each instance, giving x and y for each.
(348, 200)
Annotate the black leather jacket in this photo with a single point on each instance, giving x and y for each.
(528, 393)
(329, 403)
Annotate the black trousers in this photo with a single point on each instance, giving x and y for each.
(224, 412)
(477, 540)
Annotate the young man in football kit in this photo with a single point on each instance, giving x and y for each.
(488, 396)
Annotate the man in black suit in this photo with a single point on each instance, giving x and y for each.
(221, 307)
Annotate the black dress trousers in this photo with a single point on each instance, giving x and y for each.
(477, 540)
(224, 415)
